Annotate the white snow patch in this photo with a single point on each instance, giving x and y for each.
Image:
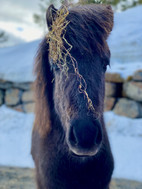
(125, 136)
(125, 126)
(125, 41)
(127, 152)
(17, 62)
(15, 138)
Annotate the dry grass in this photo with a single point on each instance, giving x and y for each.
(58, 53)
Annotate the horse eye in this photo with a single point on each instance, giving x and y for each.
(55, 67)
(105, 67)
(105, 64)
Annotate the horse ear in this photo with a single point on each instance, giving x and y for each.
(107, 20)
(50, 15)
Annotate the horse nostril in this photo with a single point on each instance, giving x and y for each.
(85, 133)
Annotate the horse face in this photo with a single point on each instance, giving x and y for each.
(83, 126)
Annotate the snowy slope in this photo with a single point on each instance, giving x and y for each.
(125, 136)
(16, 63)
(125, 40)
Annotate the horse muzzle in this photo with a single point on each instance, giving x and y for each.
(85, 137)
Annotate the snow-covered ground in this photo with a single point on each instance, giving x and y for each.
(125, 136)
(18, 65)
(15, 138)
(125, 40)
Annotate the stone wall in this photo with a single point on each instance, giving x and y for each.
(124, 97)
(18, 96)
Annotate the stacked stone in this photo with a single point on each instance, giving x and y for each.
(124, 97)
(18, 96)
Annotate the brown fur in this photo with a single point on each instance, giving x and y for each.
(41, 124)
(59, 103)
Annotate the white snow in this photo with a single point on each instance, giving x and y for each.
(16, 63)
(127, 153)
(125, 70)
(125, 126)
(125, 136)
(15, 138)
(125, 40)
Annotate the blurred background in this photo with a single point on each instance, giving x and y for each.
(23, 21)
(22, 26)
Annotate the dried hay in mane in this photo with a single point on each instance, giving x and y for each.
(58, 53)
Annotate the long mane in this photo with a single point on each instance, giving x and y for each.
(43, 89)
(89, 27)
(87, 31)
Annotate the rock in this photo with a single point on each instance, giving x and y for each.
(28, 96)
(1, 97)
(18, 108)
(5, 84)
(110, 89)
(29, 107)
(128, 108)
(13, 96)
(109, 103)
(113, 89)
(133, 90)
(24, 86)
(137, 75)
(114, 77)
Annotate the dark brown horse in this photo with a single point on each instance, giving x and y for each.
(70, 145)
